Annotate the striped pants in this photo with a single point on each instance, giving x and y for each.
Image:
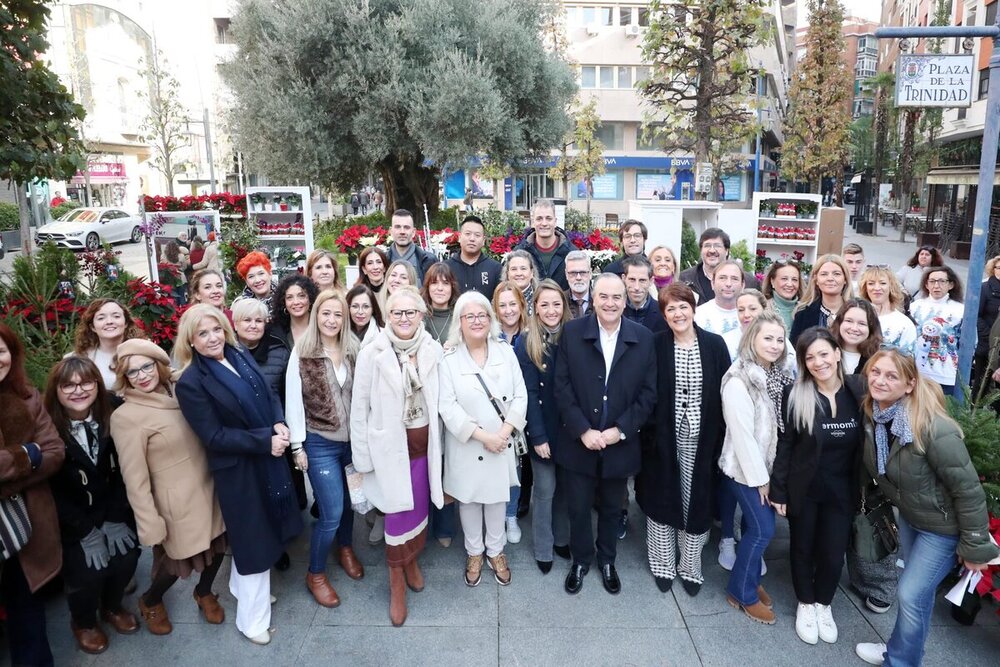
(674, 552)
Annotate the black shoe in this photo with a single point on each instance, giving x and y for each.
(314, 510)
(283, 563)
(876, 605)
(623, 525)
(612, 583)
(522, 509)
(692, 588)
(663, 583)
(544, 565)
(574, 580)
(562, 551)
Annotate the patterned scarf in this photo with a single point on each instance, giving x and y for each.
(776, 381)
(895, 413)
(412, 387)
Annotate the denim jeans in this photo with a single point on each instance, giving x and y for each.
(327, 460)
(759, 522)
(549, 515)
(515, 494)
(727, 509)
(929, 558)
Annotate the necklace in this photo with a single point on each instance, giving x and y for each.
(433, 327)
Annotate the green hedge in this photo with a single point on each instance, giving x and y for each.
(9, 218)
(59, 211)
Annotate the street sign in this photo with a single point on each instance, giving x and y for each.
(935, 80)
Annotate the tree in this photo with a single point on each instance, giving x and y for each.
(588, 161)
(701, 81)
(817, 127)
(38, 116)
(884, 84)
(161, 127)
(327, 90)
(862, 141)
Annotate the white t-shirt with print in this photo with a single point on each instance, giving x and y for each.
(939, 329)
(710, 317)
(898, 330)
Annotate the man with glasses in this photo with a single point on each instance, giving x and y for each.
(473, 268)
(641, 308)
(578, 275)
(546, 243)
(714, 245)
(632, 236)
(403, 247)
(606, 374)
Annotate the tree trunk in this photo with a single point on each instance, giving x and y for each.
(409, 185)
(906, 167)
(22, 209)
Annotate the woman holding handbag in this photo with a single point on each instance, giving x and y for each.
(483, 401)
(916, 453)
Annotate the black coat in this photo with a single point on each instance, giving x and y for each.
(271, 354)
(586, 401)
(658, 485)
(695, 278)
(810, 316)
(557, 267)
(648, 316)
(89, 495)
(236, 456)
(798, 455)
(483, 276)
(989, 306)
(543, 414)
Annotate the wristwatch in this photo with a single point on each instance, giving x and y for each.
(621, 433)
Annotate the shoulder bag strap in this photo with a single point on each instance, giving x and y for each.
(496, 406)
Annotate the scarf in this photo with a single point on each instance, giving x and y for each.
(551, 334)
(413, 408)
(776, 380)
(85, 433)
(895, 413)
(662, 282)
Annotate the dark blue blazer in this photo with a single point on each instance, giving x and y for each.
(543, 414)
(810, 316)
(237, 456)
(586, 401)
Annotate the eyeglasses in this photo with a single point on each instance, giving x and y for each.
(360, 307)
(713, 246)
(889, 347)
(408, 314)
(473, 318)
(877, 266)
(578, 273)
(938, 281)
(632, 237)
(145, 369)
(71, 387)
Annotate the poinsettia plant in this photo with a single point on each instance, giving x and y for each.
(225, 203)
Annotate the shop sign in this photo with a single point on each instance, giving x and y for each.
(104, 170)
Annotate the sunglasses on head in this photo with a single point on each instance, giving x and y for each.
(889, 347)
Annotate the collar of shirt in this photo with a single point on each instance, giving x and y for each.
(608, 343)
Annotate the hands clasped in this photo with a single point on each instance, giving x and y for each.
(598, 440)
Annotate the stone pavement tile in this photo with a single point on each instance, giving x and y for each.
(445, 601)
(381, 646)
(965, 645)
(572, 647)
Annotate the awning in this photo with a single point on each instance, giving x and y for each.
(957, 176)
(856, 179)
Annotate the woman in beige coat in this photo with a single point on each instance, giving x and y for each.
(479, 463)
(168, 483)
(396, 437)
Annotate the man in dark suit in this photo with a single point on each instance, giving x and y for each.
(606, 370)
(578, 275)
(714, 247)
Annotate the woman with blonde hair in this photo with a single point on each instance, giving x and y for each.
(880, 287)
(104, 325)
(318, 387)
(828, 288)
(399, 274)
(664, 264)
(519, 268)
(511, 310)
(916, 453)
(168, 482)
(240, 422)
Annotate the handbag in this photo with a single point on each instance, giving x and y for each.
(355, 481)
(15, 526)
(874, 534)
(517, 439)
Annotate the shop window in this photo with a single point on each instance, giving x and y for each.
(608, 186)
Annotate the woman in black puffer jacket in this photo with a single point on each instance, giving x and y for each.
(989, 306)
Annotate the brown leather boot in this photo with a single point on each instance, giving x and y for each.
(123, 621)
(321, 590)
(764, 598)
(210, 607)
(156, 618)
(397, 596)
(414, 577)
(349, 561)
(90, 640)
(757, 611)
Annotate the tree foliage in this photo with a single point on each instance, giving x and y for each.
(817, 128)
(862, 144)
(700, 90)
(328, 90)
(588, 160)
(162, 125)
(38, 116)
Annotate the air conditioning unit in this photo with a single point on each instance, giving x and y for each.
(593, 29)
(632, 30)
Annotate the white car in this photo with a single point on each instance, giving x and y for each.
(88, 228)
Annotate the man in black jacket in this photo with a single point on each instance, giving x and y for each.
(641, 307)
(632, 236)
(473, 268)
(714, 246)
(606, 372)
(403, 247)
(547, 244)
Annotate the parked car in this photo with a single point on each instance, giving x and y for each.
(2, 251)
(88, 228)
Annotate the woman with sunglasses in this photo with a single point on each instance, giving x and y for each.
(100, 547)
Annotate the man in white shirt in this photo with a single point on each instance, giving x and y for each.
(719, 315)
(578, 275)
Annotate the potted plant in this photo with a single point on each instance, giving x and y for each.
(294, 202)
(257, 202)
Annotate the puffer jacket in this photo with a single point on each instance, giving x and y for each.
(938, 490)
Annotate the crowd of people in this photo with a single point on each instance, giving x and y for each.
(498, 390)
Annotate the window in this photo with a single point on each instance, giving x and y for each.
(588, 76)
(607, 77)
(991, 14)
(596, 15)
(625, 16)
(612, 135)
(641, 73)
(644, 138)
(624, 77)
(609, 186)
(984, 80)
(222, 31)
(644, 16)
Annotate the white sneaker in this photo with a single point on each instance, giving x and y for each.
(873, 654)
(763, 567)
(263, 639)
(513, 530)
(824, 619)
(805, 623)
(727, 553)
(377, 533)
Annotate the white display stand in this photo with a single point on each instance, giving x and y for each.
(284, 225)
(173, 223)
(664, 220)
(797, 232)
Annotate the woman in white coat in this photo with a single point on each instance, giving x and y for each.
(396, 437)
(479, 461)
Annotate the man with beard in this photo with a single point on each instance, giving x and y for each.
(714, 246)
(403, 247)
(578, 275)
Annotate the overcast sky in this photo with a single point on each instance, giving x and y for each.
(866, 9)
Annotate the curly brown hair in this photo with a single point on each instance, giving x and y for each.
(86, 338)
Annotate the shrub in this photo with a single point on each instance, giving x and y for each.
(59, 211)
(9, 218)
(690, 254)
(577, 220)
(741, 252)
